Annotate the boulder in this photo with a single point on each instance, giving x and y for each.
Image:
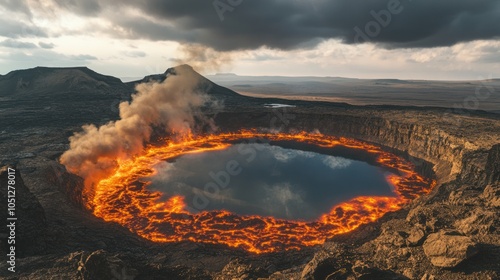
(448, 248)
(365, 272)
(240, 270)
(428, 277)
(425, 216)
(341, 274)
(492, 167)
(416, 237)
(464, 197)
(101, 265)
(491, 195)
(479, 222)
(327, 261)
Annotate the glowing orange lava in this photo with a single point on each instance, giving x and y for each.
(120, 198)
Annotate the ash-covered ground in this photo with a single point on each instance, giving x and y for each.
(452, 233)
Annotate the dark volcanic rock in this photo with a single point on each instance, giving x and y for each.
(101, 265)
(70, 184)
(493, 164)
(42, 107)
(30, 226)
(482, 167)
(480, 221)
(491, 195)
(328, 261)
(239, 270)
(363, 272)
(416, 237)
(448, 248)
(55, 79)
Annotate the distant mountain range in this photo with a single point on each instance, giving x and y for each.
(75, 79)
(52, 96)
(41, 79)
(478, 94)
(31, 85)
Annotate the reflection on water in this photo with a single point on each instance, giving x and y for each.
(268, 181)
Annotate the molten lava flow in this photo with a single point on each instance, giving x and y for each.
(124, 199)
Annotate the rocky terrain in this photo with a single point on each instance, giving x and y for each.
(452, 233)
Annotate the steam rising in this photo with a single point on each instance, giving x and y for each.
(203, 58)
(173, 105)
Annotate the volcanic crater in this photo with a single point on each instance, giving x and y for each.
(118, 198)
(445, 173)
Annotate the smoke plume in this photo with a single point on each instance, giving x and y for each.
(203, 58)
(174, 105)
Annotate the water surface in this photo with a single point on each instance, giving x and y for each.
(268, 180)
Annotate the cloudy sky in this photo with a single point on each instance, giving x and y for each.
(424, 39)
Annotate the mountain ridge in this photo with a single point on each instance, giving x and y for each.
(40, 79)
(63, 79)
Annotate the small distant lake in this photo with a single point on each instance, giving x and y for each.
(267, 180)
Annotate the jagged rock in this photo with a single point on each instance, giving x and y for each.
(416, 236)
(389, 247)
(431, 217)
(491, 195)
(473, 168)
(416, 216)
(363, 271)
(291, 273)
(341, 274)
(492, 167)
(238, 270)
(101, 265)
(393, 238)
(464, 197)
(377, 274)
(325, 262)
(70, 184)
(409, 273)
(359, 268)
(31, 225)
(428, 277)
(448, 248)
(479, 222)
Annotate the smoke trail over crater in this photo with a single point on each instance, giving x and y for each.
(173, 105)
(203, 58)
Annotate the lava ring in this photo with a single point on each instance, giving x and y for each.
(121, 198)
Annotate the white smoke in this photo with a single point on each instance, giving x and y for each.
(203, 58)
(173, 105)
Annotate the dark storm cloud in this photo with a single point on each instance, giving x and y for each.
(291, 24)
(249, 24)
(138, 27)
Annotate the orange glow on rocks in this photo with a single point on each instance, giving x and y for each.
(124, 199)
